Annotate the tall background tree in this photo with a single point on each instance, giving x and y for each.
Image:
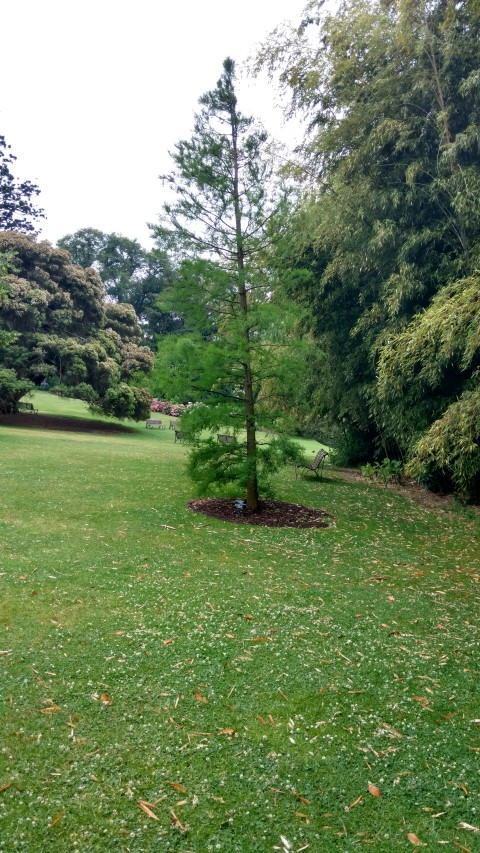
(130, 273)
(18, 211)
(57, 327)
(216, 226)
(388, 231)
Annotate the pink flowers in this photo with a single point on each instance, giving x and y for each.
(173, 409)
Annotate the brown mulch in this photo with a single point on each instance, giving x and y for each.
(39, 421)
(270, 514)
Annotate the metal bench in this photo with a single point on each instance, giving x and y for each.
(316, 465)
(225, 439)
(154, 423)
(27, 407)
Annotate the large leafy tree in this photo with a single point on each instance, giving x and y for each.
(390, 216)
(18, 211)
(216, 225)
(58, 327)
(130, 273)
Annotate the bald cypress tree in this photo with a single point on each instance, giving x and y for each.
(216, 226)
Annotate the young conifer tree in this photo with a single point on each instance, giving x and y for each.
(223, 201)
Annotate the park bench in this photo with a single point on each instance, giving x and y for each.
(27, 407)
(225, 439)
(154, 423)
(173, 424)
(180, 435)
(316, 465)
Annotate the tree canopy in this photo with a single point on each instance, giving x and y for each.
(389, 225)
(61, 330)
(223, 197)
(130, 273)
(18, 211)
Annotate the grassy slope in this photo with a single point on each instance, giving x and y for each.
(270, 674)
(68, 407)
(51, 404)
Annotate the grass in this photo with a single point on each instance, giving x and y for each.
(173, 683)
(67, 407)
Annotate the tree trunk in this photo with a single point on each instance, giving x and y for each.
(252, 481)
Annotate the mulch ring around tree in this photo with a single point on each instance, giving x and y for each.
(270, 514)
(39, 421)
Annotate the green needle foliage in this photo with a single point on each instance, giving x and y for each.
(236, 338)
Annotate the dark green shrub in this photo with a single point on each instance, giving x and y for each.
(123, 401)
(12, 390)
(83, 391)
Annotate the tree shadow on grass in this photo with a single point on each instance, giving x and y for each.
(323, 480)
(60, 422)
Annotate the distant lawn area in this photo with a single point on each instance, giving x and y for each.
(49, 403)
(176, 684)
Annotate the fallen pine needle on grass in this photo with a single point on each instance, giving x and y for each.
(177, 824)
(413, 839)
(468, 827)
(200, 698)
(145, 807)
(58, 817)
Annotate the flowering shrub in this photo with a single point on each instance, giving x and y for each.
(176, 410)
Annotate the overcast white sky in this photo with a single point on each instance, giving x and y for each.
(95, 93)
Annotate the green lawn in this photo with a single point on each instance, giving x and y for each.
(242, 685)
(53, 405)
